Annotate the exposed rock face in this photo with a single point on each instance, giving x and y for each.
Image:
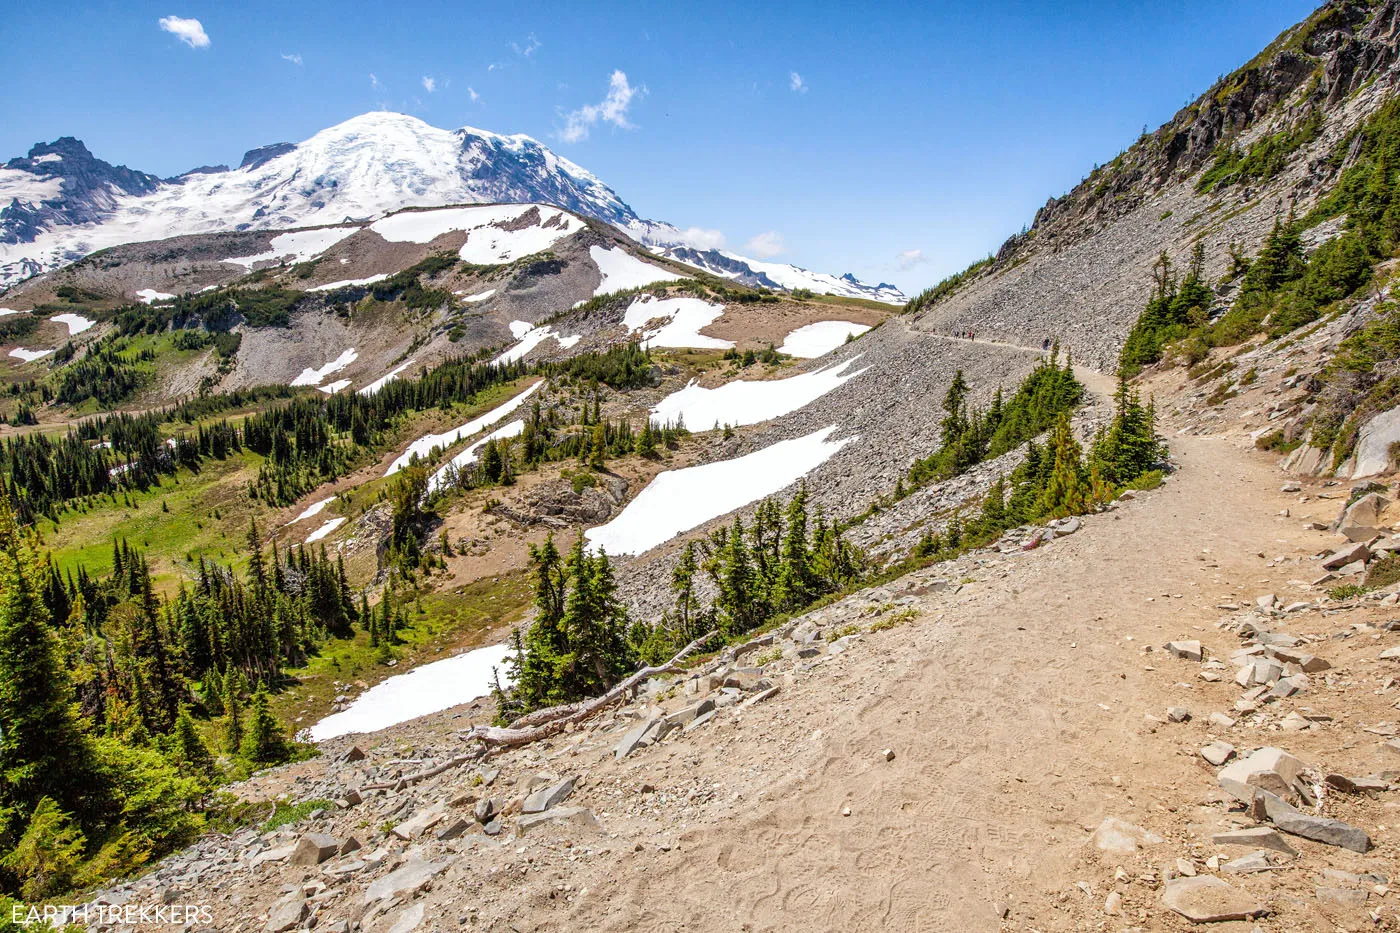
(86, 186)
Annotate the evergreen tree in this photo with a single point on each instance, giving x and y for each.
(189, 747)
(263, 743)
(42, 752)
(234, 686)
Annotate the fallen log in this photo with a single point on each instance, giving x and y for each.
(399, 784)
(541, 724)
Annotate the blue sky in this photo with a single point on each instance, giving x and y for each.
(897, 141)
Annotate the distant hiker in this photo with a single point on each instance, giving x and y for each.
(1045, 344)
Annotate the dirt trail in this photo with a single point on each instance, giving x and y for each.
(1016, 714)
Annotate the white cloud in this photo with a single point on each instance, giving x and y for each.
(700, 238)
(429, 84)
(493, 66)
(294, 58)
(796, 83)
(612, 110)
(471, 92)
(766, 245)
(374, 82)
(189, 31)
(528, 49)
(911, 257)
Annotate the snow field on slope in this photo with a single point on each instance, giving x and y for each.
(385, 379)
(29, 356)
(621, 270)
(749, 401)
(814, 340)
(467, 457)
(149, 296)
(300, 246)
(479, 296)
(334, 387)
(428, 689)
(528, 338)
(75, 323)
(487, 244)
(325, 529)
(311, 377)
(428, 442)
(679, 500)
(332, 286)
(6, 312)
(312, 510)
(685, 317)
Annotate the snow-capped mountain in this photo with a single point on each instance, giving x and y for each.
(62, 203)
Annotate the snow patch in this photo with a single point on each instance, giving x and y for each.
(426, 444)
(819, 339)
(679, 500)
(385, 379)
(76, 323)
(150, 296)
(487, 243)
(479, 296)
(312, 511)
(325, 529)
(332, 286)
(311, 377)
(298, 246)
(750, 401)
(6, 312)
(29, 356)
(424, 690)
(685, 317)
(621, 270)
(529, 337)
(334, 387)
(467, 457)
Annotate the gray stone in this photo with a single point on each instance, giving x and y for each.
(1342, 897)
(485, 809)
(1257, 837)
(1361, 521)
(1188, 650)
(1254, 861)
(1272, 769)
(1207, 899)
(287, 913)
(452, 830)
(409, 920)
(1121, 837)
(806, 633)
(633, 739)
(700, 720)
(1347, 555)
(568, 817)
(353, 753)
(1178, 714)
(1217, 753)
(408, 879)
(1317, 828)
(1309, 664)
(493, 828)
(687, 714)
(548, 797)
(744, 678)
(418, 824)
(315, 848)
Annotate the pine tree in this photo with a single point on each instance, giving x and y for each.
(597, 448)
(189, 747)
(234, 686)
(42, 752)
(1066, 491)
(264, 742)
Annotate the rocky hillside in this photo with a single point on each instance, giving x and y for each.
(1081, 272)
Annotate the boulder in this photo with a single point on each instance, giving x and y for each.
(633, 739)
(1373, 444)
(287, 913)
(1270, 769)
(1120, 837)
(1254, 861)
(1188, 650)
(1317, 828)
(1361, 520)
(485, 809)
(418, 824)
(1347, 555)
(571, 817)
(688, 713)
(408, 879)
(1257, 837)
(1309, 664)
(408, 921)
(1217, 753)
(315, 848)
(548, 797)
(1207, 899)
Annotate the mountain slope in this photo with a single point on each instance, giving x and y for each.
(63, 204)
